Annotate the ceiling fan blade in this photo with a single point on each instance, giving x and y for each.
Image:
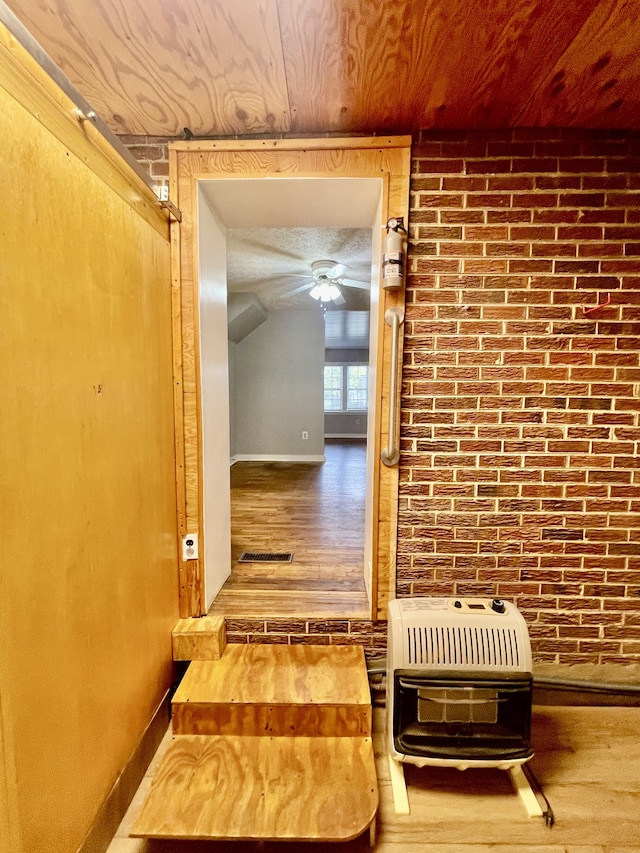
(293, 275)
(337, 271)
(300, 289)
(351, 282)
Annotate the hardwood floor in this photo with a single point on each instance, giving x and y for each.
(586, 759)
(317, 512)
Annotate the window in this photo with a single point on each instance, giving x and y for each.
(333, 388)
(346, 387)
(356, 387)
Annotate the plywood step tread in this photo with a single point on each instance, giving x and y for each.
(266, 788)
(276, 690)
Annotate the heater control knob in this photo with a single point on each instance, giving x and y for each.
(457, 604)
(498, 605)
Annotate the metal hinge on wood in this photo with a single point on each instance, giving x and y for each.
(173, 210)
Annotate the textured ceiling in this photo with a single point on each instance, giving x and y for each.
(272, 262)
(276, 229)
(227, 67)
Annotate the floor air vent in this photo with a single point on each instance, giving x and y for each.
(265, 557)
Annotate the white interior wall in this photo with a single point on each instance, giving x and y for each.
(279, 389)
(233, 383)
(214, 374)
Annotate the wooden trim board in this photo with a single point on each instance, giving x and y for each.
(386, 158)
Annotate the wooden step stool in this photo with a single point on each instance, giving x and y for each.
(203, 638)
(271, 742)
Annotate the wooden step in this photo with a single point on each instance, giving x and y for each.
(271, 742)
(262, 788)
(203, 638)
(276, 690)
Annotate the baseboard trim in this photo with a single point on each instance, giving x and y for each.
(276, 457)
(346, 435)
(119, 797)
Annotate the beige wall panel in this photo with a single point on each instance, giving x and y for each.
(88, 544)
(9, 826)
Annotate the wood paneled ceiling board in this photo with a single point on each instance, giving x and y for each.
(353, 66)
(503, 51)
(596, 83)
(157, 66)
(224, 68)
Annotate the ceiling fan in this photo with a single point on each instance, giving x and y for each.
(326, 280)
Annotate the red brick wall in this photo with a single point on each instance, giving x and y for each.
(361, 632)
(152, 152)
(520, 473)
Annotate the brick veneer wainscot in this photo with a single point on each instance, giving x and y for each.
(520, 472)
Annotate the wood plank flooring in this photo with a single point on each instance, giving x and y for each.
(314, 510)
(587, 760)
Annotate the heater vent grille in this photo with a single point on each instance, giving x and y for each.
(466, 647)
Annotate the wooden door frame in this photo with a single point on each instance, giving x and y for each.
(388, 158)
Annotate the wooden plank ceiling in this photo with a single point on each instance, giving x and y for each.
(236, 67)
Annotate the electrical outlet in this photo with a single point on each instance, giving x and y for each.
(190, 546)
(305, 435)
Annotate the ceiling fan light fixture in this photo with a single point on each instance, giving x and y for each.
(325, 291)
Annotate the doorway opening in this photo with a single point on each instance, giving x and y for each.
(224, 184)
(280, 339)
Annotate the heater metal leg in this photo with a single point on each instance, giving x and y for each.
(525, 791)
(398, 787)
